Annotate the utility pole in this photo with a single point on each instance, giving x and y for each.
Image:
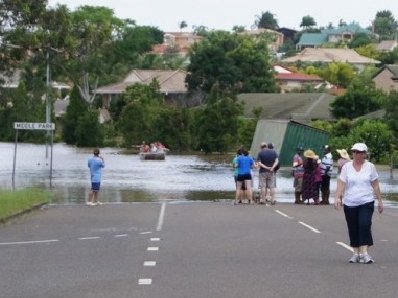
(48, 101)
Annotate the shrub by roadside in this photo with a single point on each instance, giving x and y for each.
(16, 202)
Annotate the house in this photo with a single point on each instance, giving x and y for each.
(387, 45)
(288, 34)
(386, 78)
(293, 81)
(342, 34)
(172, 84)
(303, 107)
(324, 55)
(179, 42)
(276, 37)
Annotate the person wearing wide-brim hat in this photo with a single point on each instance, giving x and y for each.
(310, 184)
(343, 159)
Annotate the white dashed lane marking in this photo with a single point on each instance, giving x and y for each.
(89, 238)
(309, 227)
(149, 264)
(29, 242)
(145, 281)
(152, 248)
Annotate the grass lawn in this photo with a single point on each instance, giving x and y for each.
(15, 202)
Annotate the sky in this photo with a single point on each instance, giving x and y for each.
(225, 14)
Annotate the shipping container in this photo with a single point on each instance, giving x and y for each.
(287, 136)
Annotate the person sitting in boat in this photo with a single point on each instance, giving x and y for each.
(161, 148)
(153, 148)
(144, 147)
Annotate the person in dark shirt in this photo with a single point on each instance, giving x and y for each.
(267, 160)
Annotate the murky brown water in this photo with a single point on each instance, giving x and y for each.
(126, 178)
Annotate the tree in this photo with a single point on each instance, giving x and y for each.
(216, 125)
(142, 104)
(376, 134)
(391, 116)
(361, 98)
(338, 73)
(385, 25)
(307, 22)
(88, 131)
(267, 21)
(77, 108)
(359, 40)
(182, 25)
(232, 61)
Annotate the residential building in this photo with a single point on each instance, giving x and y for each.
(172, 84)
(276, 38)
(325, 55)
(342, 34)
(386, 78)
(387, 45)
(179, 42)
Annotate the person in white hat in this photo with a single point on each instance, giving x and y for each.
(357, 187)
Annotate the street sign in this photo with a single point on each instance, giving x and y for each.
(34, 126)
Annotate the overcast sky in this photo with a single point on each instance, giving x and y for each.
(224, 14)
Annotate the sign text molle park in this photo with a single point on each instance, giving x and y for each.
(34, 125)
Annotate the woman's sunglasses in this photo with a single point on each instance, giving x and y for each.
(356, 151)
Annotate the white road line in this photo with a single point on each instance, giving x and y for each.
(345, 246)
(161, 217)
(144, 233)
(283, 214)
(152, 248)
(88, 238)
(121, 235)
(145, 281)
(149, 263)
(154, 239)
(309, 227)
(29, 242)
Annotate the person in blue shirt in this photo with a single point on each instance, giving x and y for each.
(95, 164)
(245, 164)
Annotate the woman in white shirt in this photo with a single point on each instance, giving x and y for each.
(357, 187)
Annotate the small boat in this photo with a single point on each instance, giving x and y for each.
(152, 155)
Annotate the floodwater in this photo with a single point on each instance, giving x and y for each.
(126, 178)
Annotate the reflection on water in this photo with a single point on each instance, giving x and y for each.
(126, 178)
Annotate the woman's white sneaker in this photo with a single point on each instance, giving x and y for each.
(354, 259)
(366, 259)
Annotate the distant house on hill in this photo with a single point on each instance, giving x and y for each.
(288, 34)
(334, 35)
(303, 107)
(172, 85)
(387, 45)
(293, 81)
(179, 42)
(386, 78)
(324, 55)
(276, 41)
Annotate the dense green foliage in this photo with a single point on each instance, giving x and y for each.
(233, 62)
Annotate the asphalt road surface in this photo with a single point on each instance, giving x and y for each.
(194, 250)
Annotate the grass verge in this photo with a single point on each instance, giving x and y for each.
(19, 201)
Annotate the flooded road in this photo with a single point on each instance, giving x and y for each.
(126, 178)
